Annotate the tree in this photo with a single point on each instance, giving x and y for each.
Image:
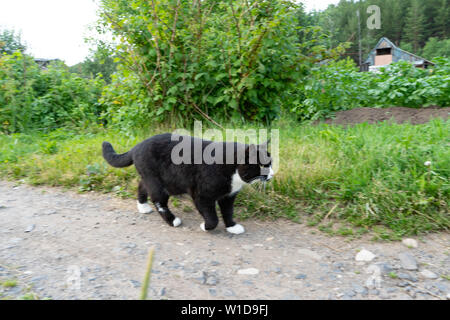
(10, 42)
(436, 48)
(209, 58)
(101, 61)
(415, 25)
(443, 19)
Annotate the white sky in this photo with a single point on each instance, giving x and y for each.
(57, 28)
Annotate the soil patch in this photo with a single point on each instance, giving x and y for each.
(395, 114)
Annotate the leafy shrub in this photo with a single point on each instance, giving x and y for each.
(338, 85)
(32, 98)
(402, 84)
(18, 73)
(221, 59)
(331, 87)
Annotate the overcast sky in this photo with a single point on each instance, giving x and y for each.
(57, 28)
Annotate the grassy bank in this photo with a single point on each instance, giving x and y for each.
(343, 180)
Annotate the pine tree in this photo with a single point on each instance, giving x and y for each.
(443, 20)
(415, 25)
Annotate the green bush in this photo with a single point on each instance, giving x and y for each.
(32, 98)
(402, 84)
(338, 85)
(220, 59)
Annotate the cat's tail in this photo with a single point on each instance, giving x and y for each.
(114, 159)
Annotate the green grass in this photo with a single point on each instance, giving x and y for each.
(393, 275)
(374, 175)
(9, 283)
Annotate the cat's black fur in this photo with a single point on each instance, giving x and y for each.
(205, 183)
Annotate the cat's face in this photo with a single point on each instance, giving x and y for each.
(257, 165)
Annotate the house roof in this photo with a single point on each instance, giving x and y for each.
(398, 53)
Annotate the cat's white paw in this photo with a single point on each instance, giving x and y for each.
(176, 222)
(202, 226)
(144, 207)
(236, 229)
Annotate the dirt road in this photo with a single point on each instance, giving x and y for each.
(62, 245)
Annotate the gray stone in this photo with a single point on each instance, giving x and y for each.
(212, 292)
(211, 280)
(359, 289)
(30, 228)
(277, 270)
(411, 292)
(384, 267)
(374, 292)
(402, 284)
(349, 293)
(39, 278)
(135, 283)
(301, 276)
(229, 293)
(390, 290)
(407, 276)
(199, 277)
(442, 287)
(162, 292)
(215, 263)
(428, 274)
(407, 261)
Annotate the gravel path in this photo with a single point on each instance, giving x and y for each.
(62, 245)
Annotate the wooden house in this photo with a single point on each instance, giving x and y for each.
(386, 52)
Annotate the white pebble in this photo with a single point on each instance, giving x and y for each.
(428, 274)
(365, 255)
(248, 271)
(410, 243)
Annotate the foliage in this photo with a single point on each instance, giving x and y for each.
(330, 87)
(10, 42)
(32, 98)
(99, 63)
(339, 86)
(402, 21)
(436, 48)
(220, 59)
(127, 103)
(405, 85)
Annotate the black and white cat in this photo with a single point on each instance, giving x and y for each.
(233, 166)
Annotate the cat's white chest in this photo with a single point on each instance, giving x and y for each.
(236, 183)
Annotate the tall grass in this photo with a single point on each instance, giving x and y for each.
(373, 175)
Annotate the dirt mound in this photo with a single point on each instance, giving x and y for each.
(396, 114)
